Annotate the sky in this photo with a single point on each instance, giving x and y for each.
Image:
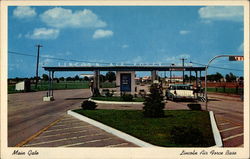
(100, 35)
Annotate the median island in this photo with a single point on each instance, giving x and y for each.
(177, 128)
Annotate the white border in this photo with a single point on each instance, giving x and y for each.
(111, 102)
(110, 153)
(216, 132)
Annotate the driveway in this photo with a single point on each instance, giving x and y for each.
(28, 114)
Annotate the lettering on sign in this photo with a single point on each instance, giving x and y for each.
(177, 69)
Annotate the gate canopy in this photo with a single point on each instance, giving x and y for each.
(124, 68)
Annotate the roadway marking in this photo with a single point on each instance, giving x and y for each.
(71, 138)
(230, 128)
(122, 144)
(222, 118)
(66, 125)
(87, 142)
(223, 123)
(37, 134)
(66, 122)
(231, 137)
(67, 128)
(39, 137)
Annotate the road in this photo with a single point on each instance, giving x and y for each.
(28, 114)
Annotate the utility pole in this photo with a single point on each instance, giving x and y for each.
(183, 59)
(37, 62)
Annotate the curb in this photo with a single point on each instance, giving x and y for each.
(216, 132)
(111, 130)
(110, 102)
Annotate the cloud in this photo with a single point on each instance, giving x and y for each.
(102, 34)
(229, 13)
(184, 32)
(46, 60)
(241, 47)
(125, 46)
(22, 12)
(43, 33)
(65, 18)
(20, 36)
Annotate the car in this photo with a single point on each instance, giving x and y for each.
(180, 92)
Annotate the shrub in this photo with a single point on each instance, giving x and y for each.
(187, 136)
(127, 97)
(194, 106)
(154, 105)
(88, 105)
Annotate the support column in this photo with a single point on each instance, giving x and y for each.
(196, 78)
(49, 96)
(97, 79)
(49, 88)
(153, 75)
(52, 83)
(190, 74)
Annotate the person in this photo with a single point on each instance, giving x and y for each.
(91, 86)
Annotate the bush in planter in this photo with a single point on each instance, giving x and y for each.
(127, 97)
(154, 105)
(88, 105)
(187, 136)
(194, 106)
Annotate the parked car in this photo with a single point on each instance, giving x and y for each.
(180, 92)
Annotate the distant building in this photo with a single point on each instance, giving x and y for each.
(174, 79)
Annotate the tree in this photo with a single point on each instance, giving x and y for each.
(77, 78)
(69, 79)
(214, 77)
(230, 77)
(102, 78)
(86, 78)
(218, 76)
(61, 78)
(45, 77)
(110, 76)
(154, 105)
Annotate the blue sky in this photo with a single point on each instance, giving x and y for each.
(123, 34)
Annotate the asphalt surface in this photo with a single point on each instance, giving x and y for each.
(28, 115)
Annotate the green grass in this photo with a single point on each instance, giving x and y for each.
(117, 99)
(107, 85)
(227, 90)
(154, 130)
(42, 86)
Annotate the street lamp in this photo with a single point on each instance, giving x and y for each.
(231, 58)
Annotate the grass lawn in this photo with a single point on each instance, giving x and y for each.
(227, 90)
(43, 86)
(154, 130)
(117, 99)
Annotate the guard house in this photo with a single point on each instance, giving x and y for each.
(125, 82)
(125, 75)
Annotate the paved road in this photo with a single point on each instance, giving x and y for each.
(71, 132)
(28, 114)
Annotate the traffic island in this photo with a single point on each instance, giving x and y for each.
(156, 131)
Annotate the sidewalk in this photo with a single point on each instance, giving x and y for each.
(71, 132)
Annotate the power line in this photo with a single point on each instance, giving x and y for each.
(217, 67)
(61, 59)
